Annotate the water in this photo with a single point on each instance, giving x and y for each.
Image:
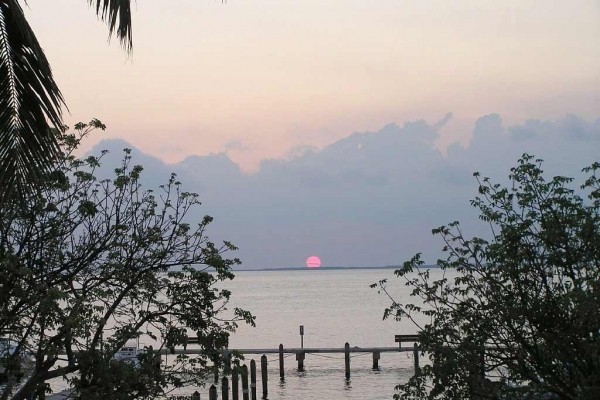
(334, 306)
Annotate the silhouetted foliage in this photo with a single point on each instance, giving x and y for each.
(516, 316)
(87, 265)
(30, 100)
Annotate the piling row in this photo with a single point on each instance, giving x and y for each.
(249, 388)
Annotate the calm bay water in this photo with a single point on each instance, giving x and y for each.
(335, 306)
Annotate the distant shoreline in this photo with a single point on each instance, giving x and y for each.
(323, 268)
(281, 269)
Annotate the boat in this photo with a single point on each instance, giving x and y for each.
(129, 354)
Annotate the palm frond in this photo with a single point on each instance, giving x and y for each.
(30, 104)
(117, 15)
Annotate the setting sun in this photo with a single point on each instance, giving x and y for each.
(313, 262)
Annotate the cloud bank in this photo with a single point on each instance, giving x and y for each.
(369, 199)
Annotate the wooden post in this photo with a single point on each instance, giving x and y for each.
(300, 358)
(212, 392)
(216, 371)
(281, 366)
(376, 357)
(263, 375)
(196, 395)
(235, 390)
(227, 358)
(245, 392)
(225, 388)
(416, 357)
(347, 359)
(482, 363)
(253, 379)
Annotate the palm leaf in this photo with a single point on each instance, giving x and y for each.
(117, 15)
(30, 104)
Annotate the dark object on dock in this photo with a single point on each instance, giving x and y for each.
(406, 338)
(196, 395)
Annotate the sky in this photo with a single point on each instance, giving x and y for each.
(260, 79)
(346, 129)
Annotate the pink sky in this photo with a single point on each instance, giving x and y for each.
(257, 78)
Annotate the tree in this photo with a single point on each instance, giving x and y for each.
(87, 265)
(518, 315)
(30, 100)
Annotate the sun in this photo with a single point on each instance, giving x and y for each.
(313, 262)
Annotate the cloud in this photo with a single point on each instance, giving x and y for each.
(236, 145)
(441, 123)
(370, 198)
(301, 152)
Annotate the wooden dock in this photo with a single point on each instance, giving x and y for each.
(249, 388)
(296, 350)
(248, 375)
(301, 352)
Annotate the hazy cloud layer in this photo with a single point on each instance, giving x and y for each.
(371, 198)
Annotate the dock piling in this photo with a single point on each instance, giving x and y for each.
(253, 379)
(347, 360)
(225, 388)
(300, 357)
(376, 357)
(235, 390)
(227, 359)
(263, 374)
(212, 392)
(281, 366)
(196, 395)
(245, 392)
(416, 357)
